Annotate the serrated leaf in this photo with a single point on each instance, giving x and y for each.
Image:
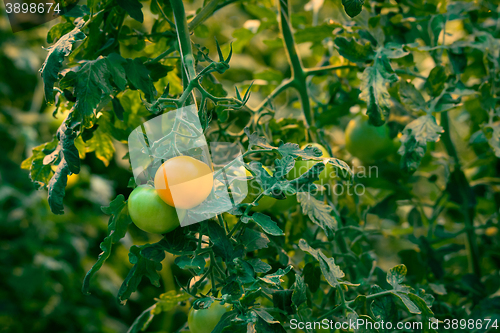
(396, 275)
(222, 246)
(293, 149)
(393, 51)
(354, 51)
(133, 8)
(353, 317)
(264, 179)
(256, 140)
(436, 80)
(275, 278)
(69, 163)
(102, 144)
(414, 141)
(117, 228)
(409, 305)
(374, 92)
(330, 270)
(138, 77)
(267, 224)
(59, 30)
(142, 267)
(299, 295)
(253, 240)
(318, 212)
(422, 304)
(266, 316)
(259, 266)
(196, 263)
(411, 97)
(353, 7)
(283, 166)
(243, 271)
(53, 63)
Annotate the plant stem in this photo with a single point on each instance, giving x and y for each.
(203, 14)
(298, 73)
(185, 49)
(465, 193)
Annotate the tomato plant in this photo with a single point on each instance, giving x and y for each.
(300, 88)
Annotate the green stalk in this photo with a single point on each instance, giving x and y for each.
(464, 191)
(183, 38)
(298, 73)
(203, 14)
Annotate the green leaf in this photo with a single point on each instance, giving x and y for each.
(411, 98)
(492, 133)
(117, 228)
(169, 300)
(275, 278)
(93, 88)
(256, 140)
(40, 173)
(196, 263)
(352, 7)
(266, 223)
(138, 77)
(396, 276)
(243, 271)
(393, 51)
(158, 71)
(374, 92)
(53, 63)
(409, 305)
(330, 270)
(253, 240)
(102, 144)
(142, 267)
(265, 180)
(312, 276)
(383, 308)
(414, 141)
(293, 149)
(299, 294)
(315, 34)
(422, 305)
(133, 8)
(436, 80)
(58, 30)
(354, 51)
(259, 266)
(69, 162)
(222, 246)
(364, 328)
(318, 212)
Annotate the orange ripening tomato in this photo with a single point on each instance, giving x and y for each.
(184, 182)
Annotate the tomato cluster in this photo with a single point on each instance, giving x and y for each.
(181, 183)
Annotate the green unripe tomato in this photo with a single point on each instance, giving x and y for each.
(286, 205)
(301, 167)
(205, 320)
(150, 213)
(367, 142)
